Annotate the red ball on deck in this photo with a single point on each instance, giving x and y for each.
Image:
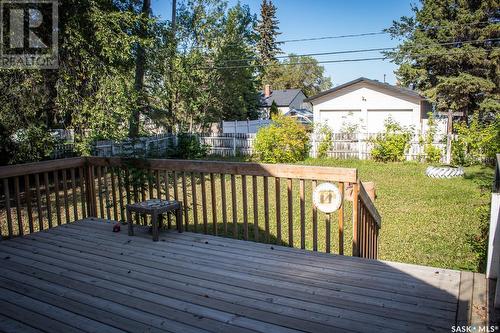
(116, 227)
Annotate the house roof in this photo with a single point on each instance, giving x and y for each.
(401, 90)
(280, 97)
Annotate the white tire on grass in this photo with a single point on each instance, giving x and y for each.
(444, 172)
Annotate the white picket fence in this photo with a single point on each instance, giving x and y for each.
(344, 145)
(359, 146)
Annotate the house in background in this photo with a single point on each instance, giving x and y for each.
(286, 100)
(363, 105)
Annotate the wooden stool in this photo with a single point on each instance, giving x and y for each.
(155, 207)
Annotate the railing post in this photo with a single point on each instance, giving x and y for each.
(355, 219)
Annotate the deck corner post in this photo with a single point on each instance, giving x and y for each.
(355, 220)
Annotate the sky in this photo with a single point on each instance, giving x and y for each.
(319, 18)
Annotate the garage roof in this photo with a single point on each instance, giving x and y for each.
(387, 86)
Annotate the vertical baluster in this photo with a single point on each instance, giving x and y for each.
(245, 206)
(113, 194)
(204, 202)
(255, 209)
(18, 207)
(176, 186)
(92, 209)
(366, 231)
(167, 194)
(99, 188)
(368, 237)
(266, 208)
(194, 205)
(235, 211)
(214, 203)
(328, 232)
(278, 210)
(158, 187)
(106, 193)
(82, 191)
(150, 184)
(65, 191)
(290, 212)
(224, 203)
(341, 220)
(315, 220)
(6, 192)
(302, 214)
(185, 199)
(136, 196)
(58, 203)
(360, 230)
(38, 202)
(73, 194)
(120, 193)
(27, 196)
(355, 220)
(47, 198)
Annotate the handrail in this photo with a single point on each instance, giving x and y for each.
(348, 175)
(369, 204)
(245, 200)
(40, 167)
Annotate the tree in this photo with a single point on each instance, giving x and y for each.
(267, 29)
(299, 72)
(140, 59)
(448, 54)
(239, 97)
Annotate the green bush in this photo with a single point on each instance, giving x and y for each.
(188, 147)
(284, 141)
(326, 143)
(478, 141)
(393, 144)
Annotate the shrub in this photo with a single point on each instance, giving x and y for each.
(188, 147)
(284, 141)
(475, 142)
(392, 145)
(326, 144)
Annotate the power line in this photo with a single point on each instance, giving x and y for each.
(366, 50)
(365, 34)
(449, 52)
(382, 32)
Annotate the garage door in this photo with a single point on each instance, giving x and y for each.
(376, 118)
(337, 119)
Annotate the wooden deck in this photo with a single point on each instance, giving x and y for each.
(82, 277)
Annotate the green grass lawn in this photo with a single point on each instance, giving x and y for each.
(424, 220)
(432, 222)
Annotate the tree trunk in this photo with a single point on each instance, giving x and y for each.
(139, 75)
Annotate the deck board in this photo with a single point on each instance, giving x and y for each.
(83, 277)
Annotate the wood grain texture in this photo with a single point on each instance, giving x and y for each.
(64, 279)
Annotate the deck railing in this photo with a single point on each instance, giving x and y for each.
(261, 202)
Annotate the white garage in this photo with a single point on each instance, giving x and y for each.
(365, 104)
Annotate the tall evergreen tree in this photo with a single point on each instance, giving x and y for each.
(267, 29)
(450, 53)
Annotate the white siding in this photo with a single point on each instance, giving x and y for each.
(374, 103)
